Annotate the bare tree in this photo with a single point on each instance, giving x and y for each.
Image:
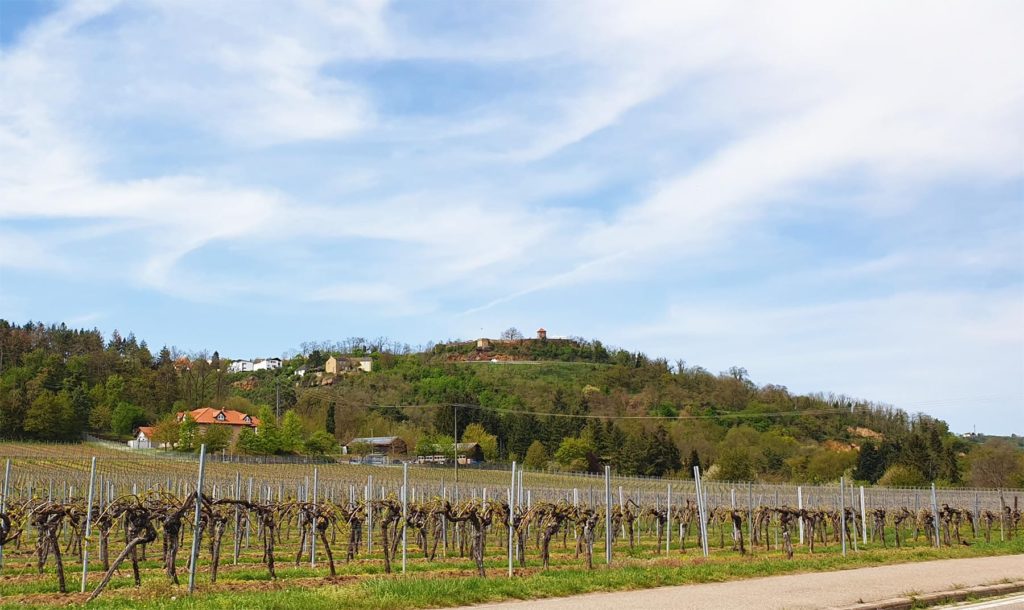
(511, 334)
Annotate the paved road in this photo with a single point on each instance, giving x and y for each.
(1012, 602)
(798, 591)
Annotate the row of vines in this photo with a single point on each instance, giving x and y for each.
(286, 514)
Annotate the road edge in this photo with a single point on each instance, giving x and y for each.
(940, 597)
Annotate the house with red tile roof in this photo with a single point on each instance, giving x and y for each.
(208, 416)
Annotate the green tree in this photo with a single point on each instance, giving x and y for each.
(99, 417)
(166, 432)
(734, 464)
(249, 442)
(46, 416)
(915, 454)
(630, 456)
(126, 417)
(268, 439)
(331, 425)
(662, 454)
(321, 443)
(573, 453)
(870, 464)
(997, 463)
(216, 438)
(188, 434)
(476, 433)
(291, 433)
(899, 475)
(693, 461)
(536, 456)
(826, 466)
(360, 448)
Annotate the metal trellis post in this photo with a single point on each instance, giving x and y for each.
(842, 512)
(608, 514)
(88, 525)
(195, 531)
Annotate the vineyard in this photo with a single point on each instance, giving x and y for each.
(80, 527)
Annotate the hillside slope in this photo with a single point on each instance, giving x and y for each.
(562, 403)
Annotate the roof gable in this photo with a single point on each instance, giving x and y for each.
(229, 417)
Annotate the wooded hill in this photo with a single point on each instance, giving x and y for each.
(569, 404)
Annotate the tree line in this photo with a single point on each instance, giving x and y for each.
(582, 405)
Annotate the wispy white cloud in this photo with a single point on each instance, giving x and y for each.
(337, 148)
(904, 347)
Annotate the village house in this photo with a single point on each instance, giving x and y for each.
(208, 416)
(240, 366)
(266, 364)
(144, 440)
(336, 365)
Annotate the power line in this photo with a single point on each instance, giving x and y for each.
(619, 417)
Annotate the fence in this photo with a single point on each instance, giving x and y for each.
(276, 478)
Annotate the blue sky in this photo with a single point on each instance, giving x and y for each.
(828, 194)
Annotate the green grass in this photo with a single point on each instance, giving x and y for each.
(436, 585)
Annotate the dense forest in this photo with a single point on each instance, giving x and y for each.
(568, 404)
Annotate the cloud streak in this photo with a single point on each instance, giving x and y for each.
(437, 174)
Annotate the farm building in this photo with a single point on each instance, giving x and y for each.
(144, 439)
(387, 445)
(470, 453)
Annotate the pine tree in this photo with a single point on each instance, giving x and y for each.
(662, 454)
(693, 460)
(331, 426)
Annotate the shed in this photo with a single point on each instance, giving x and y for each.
(389, 445)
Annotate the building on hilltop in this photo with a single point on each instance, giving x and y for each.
(336, 365)
(266, 364)
(542, 334)
(240, 366)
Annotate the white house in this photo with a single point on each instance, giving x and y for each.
(266, 364)
(240, 366)
(144, 440)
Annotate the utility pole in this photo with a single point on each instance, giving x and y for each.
(456, 443)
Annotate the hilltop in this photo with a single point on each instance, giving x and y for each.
(571, 404)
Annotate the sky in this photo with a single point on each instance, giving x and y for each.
(828, 194)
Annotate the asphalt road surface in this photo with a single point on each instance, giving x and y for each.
(1012, 602)
(798, 591)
